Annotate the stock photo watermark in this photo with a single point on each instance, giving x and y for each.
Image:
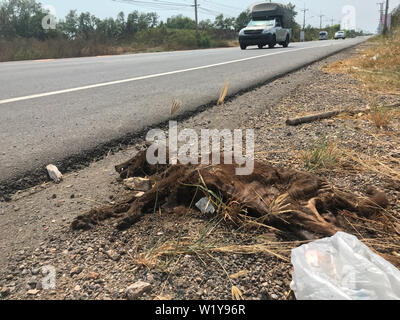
(49, 277)
(49, 22)
(43, 278)
(348, 21)
(188, 150)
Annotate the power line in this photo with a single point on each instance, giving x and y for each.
(175, 6)
(223, 7)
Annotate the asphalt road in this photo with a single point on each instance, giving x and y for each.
(53, 109)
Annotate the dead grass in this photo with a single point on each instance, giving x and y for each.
(163, 254)
(224, 92)
(236, 293)
(387, 167)
(377, 67)
(381, 117)
(175, 107)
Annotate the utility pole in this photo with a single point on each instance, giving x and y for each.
(381, 12)
(320, 20)
(302, 33)
(332, 21)
(385, 27)
(196, 6)
(304, 16)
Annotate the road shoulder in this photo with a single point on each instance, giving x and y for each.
(36, 222)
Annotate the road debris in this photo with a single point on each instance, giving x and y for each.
(54, 173)
(375, 57)
(342, 268)
(323, 115)
(138, 184)
(205, 206)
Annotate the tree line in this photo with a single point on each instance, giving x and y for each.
(22, 35)
(23, 18)
(396, 17)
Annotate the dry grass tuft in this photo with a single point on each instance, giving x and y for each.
(176, 106)
(236, 293)
(224, 92)
(381, 117)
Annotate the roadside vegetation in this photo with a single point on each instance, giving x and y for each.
(22, 36)
(378, 66)
(324, 154)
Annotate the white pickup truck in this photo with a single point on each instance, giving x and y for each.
(267, 26)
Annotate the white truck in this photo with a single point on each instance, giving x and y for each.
(268, 26)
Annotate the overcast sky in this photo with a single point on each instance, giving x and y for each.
(366, 10)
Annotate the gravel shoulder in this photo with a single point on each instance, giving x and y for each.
(100, 264)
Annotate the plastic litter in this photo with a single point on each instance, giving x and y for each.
(342, 268)
(205, 206)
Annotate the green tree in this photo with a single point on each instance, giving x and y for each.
(292, 24)
(70, 25)
(86, 25)
(132, 23)
(22, 18)
(206, 24)
(180, 22)
(396, 17)
(120, 25)
(224, 23)
(242, 20)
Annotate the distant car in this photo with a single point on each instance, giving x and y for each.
(340, 35)
(323, 35)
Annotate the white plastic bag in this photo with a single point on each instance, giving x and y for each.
(342, 268)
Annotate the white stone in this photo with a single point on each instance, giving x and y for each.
(54, 174)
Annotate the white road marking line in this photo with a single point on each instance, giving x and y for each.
(104, 84)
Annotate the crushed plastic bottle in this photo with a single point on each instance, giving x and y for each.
(342, 268)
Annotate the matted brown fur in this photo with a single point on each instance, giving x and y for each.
(309, 202)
